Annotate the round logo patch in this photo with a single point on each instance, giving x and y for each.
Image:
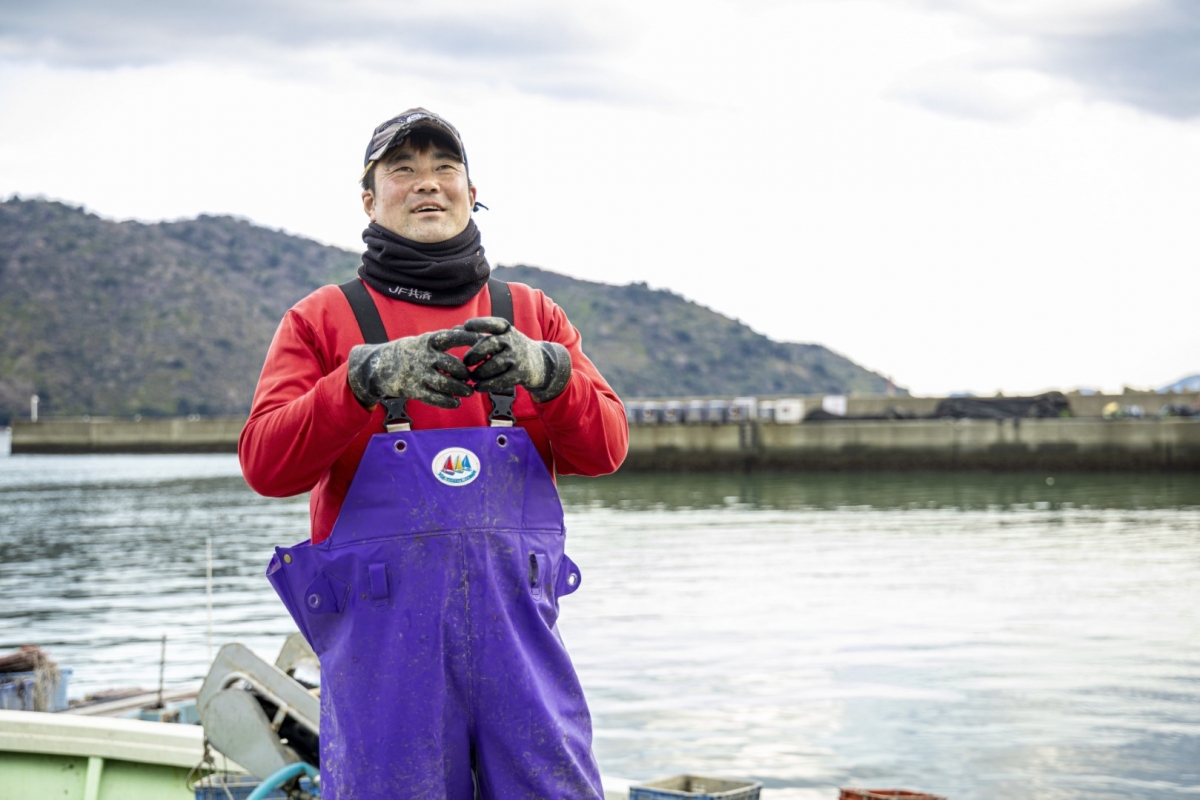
(456, 466)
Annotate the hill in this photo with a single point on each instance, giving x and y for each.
(126, 318)
(654, 343)
(121, 318)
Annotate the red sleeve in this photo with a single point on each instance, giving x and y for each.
(586, 424)
(304, 414)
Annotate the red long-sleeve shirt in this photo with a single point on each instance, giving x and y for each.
(307, 433)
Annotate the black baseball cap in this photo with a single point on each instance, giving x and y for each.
(393, 133)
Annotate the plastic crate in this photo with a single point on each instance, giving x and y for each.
(13, 690)
(16, 694)
(221, 786)
(696, 788)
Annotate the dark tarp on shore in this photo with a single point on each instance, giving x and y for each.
(1042, 406)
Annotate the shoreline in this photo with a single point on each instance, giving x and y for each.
(1068, 444)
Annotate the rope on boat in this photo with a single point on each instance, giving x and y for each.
(31, 658)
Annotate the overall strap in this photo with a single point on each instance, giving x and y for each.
(365, 311)
(502, 402)
(371, 325)
(373, 332)
(501, 300)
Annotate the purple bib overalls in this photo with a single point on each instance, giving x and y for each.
(432, 608)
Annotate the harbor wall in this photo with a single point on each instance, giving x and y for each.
(102, 435)
(1053, 444)
(939, 444)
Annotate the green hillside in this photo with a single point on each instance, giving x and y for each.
(654, 343)
(121, 318)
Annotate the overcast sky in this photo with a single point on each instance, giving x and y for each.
(968, 195)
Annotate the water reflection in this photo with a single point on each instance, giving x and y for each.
(886, 491)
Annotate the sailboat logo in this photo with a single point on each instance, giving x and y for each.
(456, 466)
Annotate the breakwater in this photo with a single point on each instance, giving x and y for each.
(1080, 443)
(104, 435)
(934, 444)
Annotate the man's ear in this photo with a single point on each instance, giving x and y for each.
(472, 195)
(368, 198)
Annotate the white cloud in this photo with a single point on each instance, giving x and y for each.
(1142, 53)
(540, 46)
(766, 159)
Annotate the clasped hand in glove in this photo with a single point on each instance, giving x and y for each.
(412, 367)
(419, 368)
(508, 358)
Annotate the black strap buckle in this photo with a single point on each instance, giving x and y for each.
(397, 414)
(502, 405)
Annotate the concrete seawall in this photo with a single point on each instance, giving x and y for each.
(204, 435)
(1061, 444)
(943, 444)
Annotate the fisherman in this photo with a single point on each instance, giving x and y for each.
(430, 585)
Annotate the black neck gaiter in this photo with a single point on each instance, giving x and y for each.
(445, 273)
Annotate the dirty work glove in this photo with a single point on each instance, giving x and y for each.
(516, 360)
(413, 367)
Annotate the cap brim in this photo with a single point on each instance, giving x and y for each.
(401, 133)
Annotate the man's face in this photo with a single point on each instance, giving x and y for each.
(422, 196)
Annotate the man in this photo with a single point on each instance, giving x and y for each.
(430, 587)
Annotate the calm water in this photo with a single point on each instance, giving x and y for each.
(977, 636)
